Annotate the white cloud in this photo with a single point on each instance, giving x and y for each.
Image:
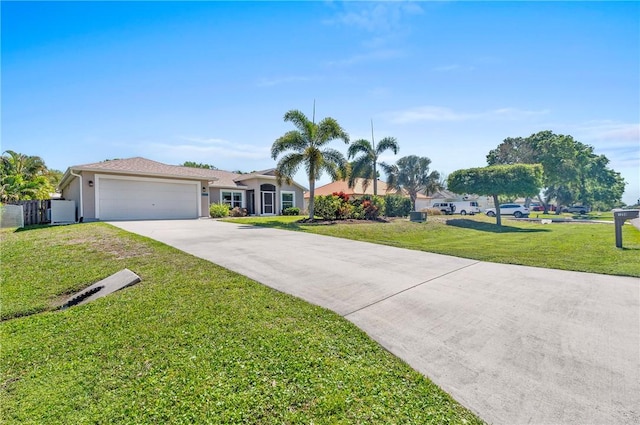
(439, 113)
(373, 56)
(619, 141)
(376, 16)
(190, 147)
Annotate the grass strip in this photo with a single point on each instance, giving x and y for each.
(585, 247)
(191, 343)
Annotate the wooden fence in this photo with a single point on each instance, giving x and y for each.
(35, 212)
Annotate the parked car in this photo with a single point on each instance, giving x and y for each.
(446, 208)
(536, 206)
(576, 209)
(516, 210)
(466, 207)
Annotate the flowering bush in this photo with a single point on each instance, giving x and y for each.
(338, 206)
(373, 207)
(238, 212)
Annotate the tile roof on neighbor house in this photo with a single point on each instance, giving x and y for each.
(357, 190)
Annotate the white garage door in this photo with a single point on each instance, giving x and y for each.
(138, 199)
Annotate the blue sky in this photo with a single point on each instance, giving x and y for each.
(210, 81)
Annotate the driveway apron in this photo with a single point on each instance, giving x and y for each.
(515, 344)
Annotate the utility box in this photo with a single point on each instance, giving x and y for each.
(63, 212)
(417, 216)
(620, 217)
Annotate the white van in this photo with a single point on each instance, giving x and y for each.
(467, 207)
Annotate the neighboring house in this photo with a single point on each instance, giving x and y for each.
(357, 191)
(139, 188)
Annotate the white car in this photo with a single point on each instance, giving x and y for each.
(515, 210)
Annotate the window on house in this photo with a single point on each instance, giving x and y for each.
(287, 200)
(233, 199)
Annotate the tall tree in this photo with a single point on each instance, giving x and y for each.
(306, 147)
(411, 174)
(496, 180)
(23, 177)
(193, 164)
(572, 171)
(366, 156)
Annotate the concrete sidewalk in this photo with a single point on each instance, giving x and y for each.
(517, 345)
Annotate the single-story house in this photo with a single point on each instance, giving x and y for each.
(358, 190)
(139, 188)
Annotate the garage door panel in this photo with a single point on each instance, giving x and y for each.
(123, 199)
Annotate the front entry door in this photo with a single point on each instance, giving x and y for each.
(268, 199)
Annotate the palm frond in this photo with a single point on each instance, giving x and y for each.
(361, 168)
(387, 144)
(360, 146)
(300, 121)
(288, 166)
(329, 130)
(292, 140)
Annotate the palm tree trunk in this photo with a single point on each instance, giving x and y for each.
(312, 202)
(375, 180)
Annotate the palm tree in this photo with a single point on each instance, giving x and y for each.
(23, 177)
(307, 145)
(365, 166)
(411, 174)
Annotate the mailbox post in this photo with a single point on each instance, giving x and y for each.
(620, 217)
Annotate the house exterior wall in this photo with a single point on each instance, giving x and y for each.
(72, 192)
(89, 195)
(204, 198)
(215, 194)
(254, 185)
(422, 204)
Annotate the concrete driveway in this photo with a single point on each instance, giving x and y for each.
(516, 345)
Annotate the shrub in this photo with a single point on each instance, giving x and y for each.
(373, 206)
(238, 212)
(218, 210)
(327, 206)
(397, 206)
(432, 211)
(341, 195)
(291, 211)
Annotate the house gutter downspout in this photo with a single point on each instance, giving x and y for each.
(81, 215)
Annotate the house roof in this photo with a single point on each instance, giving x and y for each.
(147, 167)
(444, 194)
(356, 190)
(143, 166)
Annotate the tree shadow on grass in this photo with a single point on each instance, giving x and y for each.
(33, 227)
(490, 227)
(274, 224)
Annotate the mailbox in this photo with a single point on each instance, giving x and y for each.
(620, 217)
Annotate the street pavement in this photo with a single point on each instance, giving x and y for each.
(515, 344)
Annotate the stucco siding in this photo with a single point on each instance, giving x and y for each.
(72, 192)
(204, 198)
(89, 195)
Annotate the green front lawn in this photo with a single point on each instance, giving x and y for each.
(587, 247)
(193, 343)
